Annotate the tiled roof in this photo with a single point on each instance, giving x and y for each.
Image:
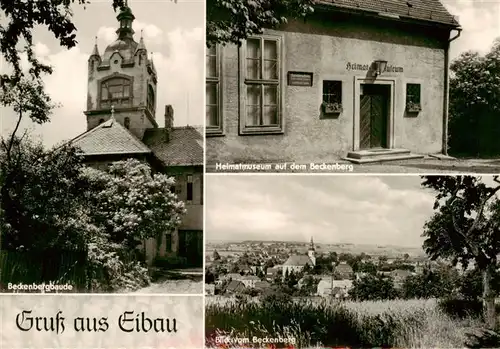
(345, 268)
(298, 260)
(424, 10)
(110, 137)
(184, 148)
(263, 284)
(235, 286)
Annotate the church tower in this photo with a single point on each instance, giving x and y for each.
(311, 252)
(124, 78)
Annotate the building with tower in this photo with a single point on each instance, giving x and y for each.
(297, 262)
(122, 123)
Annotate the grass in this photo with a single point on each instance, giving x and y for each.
(320, 323)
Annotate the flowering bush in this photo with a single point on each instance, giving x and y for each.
(52, 201)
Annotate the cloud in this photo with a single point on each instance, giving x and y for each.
(333, 209)
(180, 81)
(150, 32)
(479, 20)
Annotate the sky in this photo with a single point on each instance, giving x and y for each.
(480, 22)
(172, 31)
(368, 210)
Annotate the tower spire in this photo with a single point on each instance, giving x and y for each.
(141, 45)
(125, 17)
(311, 245)
(95, 51)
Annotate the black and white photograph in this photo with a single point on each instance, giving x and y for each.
(101, 157)
(391, 86)
(315, 261)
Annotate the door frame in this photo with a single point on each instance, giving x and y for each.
(391, 82)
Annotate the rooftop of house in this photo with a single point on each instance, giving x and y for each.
(431, 11)
(184, 147)
(343, 268)
(328, 283)
(298, 260)
(109, 138)
(235, 285)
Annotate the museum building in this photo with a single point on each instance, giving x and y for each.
(358, 79)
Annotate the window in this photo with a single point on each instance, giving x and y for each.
(413, 103)
(116, 92)
(201, 190)
(213, 91)
(173, 186)
(126, 122)
(168, 242)
(189, 188)
(332, 97)
(261, 109)
(151, 99)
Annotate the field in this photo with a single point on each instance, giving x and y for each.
(319, 323)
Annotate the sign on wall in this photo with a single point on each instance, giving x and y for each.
(366, 67)
(300, 78)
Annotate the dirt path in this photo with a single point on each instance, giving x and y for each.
(173, 287)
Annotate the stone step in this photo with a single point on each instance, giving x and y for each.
(361, 154)
(385, 158)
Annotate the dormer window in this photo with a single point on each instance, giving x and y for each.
(116, 91)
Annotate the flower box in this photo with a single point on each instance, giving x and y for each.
(332, 108)
(413, 107)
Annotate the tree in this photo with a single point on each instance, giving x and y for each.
(465, 228)
(133, 204)
(309, 285)
(367, 267)
(382, 260)
(53, 202)
(209, 277)
(216, 255)
(20, 17)
(230, 21)
(307, 269)
(430, 284)
(21, 85)
(470, 284)
(41, 198)
(475, 103)
(373, 287)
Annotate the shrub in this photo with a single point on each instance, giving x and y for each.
(461, 308)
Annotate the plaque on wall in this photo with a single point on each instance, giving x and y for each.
(296, 78)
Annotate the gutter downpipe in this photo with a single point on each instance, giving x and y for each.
(447, 90)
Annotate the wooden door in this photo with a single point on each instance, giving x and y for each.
(374, 116)
(191, 246)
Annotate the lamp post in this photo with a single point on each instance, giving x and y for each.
(380, 66)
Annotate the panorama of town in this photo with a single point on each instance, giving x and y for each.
(306, 269)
